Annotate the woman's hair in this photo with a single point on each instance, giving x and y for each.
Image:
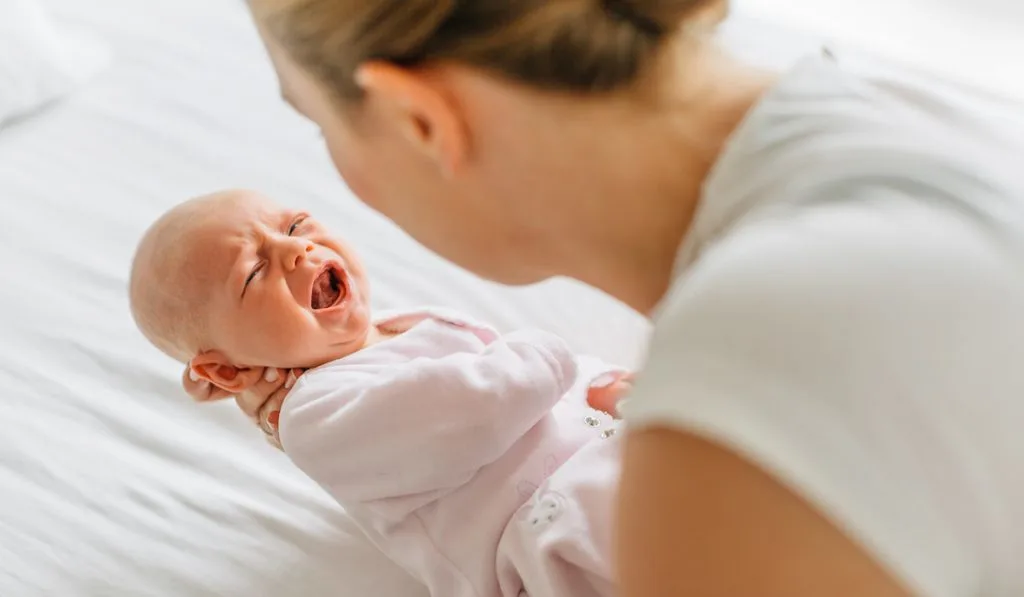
(563, 45)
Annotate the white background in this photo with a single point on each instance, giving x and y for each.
(980, 42)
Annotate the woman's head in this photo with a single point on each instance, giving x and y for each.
(465, 121)
(560, 45)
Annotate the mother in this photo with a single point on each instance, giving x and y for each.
(833, 398)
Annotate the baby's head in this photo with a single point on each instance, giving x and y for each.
(232, 283)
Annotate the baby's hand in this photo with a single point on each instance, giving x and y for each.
(607, 392)
(199, 389)
(261, 402)
(269, 411)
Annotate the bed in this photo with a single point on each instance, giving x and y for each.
(113, 483)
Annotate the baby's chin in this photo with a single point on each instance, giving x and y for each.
(340, 352)
(312, 347)
(336, 348)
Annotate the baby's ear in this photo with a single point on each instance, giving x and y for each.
(214, 367)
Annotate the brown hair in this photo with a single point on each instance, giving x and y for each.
(564, 45)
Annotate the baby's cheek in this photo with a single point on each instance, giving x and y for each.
(286, 341)
(301, 350)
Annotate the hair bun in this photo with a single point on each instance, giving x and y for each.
(583, 46)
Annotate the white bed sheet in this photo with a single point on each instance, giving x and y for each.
(113, 483)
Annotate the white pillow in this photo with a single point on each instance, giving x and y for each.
(39, 61)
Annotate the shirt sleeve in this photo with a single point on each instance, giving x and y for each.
(406, 431)
(838, 349)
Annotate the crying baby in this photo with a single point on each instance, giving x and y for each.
(425, 425)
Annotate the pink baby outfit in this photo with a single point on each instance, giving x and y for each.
(469, 457)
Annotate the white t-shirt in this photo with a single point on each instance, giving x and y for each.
(849, 314)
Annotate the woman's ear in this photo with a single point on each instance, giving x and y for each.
(214, 367)
(420, 104)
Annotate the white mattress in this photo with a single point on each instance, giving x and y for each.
(112, 483)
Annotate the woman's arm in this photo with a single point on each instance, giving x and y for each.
(696, 519)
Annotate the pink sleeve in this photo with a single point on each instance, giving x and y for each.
(415, 428)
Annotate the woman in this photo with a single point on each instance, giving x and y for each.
(832, 400)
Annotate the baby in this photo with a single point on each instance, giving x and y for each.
(471, 458)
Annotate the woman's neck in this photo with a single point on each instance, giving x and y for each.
(653, 169)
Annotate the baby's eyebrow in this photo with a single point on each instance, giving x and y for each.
(284, 217)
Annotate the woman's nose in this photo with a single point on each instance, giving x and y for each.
(291, 251)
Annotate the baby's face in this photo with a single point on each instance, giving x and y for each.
(286, 293)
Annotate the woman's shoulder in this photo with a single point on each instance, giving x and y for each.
(870, 252)
(846, 288)
(831, 132)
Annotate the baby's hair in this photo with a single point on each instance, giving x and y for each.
(583, 46)
(166, 311)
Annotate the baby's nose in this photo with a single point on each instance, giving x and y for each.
(295, 252)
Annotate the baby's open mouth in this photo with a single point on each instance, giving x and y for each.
(328, 288)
